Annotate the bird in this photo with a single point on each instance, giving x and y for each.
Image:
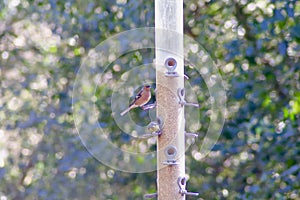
(143, 96)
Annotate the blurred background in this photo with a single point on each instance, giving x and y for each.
(255, 45)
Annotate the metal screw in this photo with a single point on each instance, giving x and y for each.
(171, 65)
(171, 153)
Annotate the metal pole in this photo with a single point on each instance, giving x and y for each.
(169, 79)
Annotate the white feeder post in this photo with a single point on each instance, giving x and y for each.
(171, 143)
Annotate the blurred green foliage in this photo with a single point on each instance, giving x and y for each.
(256, 47)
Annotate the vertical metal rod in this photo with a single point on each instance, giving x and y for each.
(169, 44)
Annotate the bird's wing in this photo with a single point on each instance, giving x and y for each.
(139, 94)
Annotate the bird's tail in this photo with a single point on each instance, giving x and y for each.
(125, 111)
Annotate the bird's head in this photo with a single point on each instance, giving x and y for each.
(147, 87)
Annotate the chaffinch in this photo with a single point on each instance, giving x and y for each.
(140, 99)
